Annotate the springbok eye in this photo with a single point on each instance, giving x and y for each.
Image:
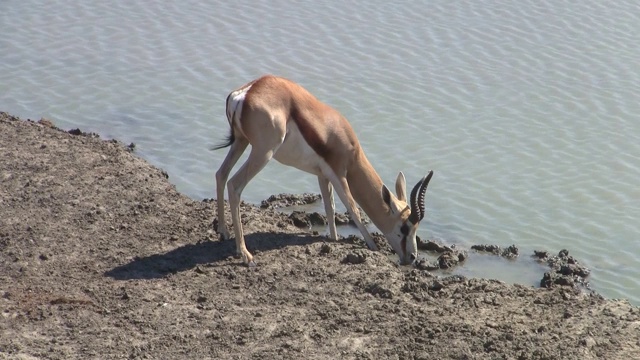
(404, 229)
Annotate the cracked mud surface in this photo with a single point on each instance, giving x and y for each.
(101, 257)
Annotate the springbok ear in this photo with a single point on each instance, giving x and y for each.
(401, 187)
(388, 199)
(386, 195)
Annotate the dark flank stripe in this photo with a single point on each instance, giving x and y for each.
(310, 136)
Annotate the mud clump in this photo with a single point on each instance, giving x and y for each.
(343, 219)
(356, 257)
(448, 257)
(306, 220)
(510, 252)
(286, 200)
(451, 258)
(424, 264)
(432, 245)
(493, 249)
(379, 290)
(565, 270)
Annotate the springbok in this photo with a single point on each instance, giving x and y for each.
(282, 120)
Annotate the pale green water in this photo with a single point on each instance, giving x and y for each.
(527, 111)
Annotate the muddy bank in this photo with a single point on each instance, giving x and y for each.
(100, 257)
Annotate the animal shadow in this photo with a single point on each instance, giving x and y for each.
(205, 252)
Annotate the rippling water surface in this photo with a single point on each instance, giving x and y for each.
(527, 111)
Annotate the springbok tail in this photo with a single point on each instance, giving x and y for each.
(228, 141)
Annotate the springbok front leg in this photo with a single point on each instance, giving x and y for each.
(326, 189)
(344, 193)
(237, 148)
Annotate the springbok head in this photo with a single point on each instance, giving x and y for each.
(401, 232)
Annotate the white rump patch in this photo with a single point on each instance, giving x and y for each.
(234, 104)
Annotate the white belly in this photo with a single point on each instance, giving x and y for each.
(295, 152)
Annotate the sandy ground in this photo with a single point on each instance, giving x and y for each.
(101, 257)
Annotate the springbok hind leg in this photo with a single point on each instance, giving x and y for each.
(236, 150)
(326, 189)
(257, 160)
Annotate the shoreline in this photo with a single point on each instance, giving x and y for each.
(102, 257)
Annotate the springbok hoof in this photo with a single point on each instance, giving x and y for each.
(251, 264)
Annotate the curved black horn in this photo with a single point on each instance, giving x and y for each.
(417, 199)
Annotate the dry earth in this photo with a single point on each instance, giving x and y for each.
(101, 257)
